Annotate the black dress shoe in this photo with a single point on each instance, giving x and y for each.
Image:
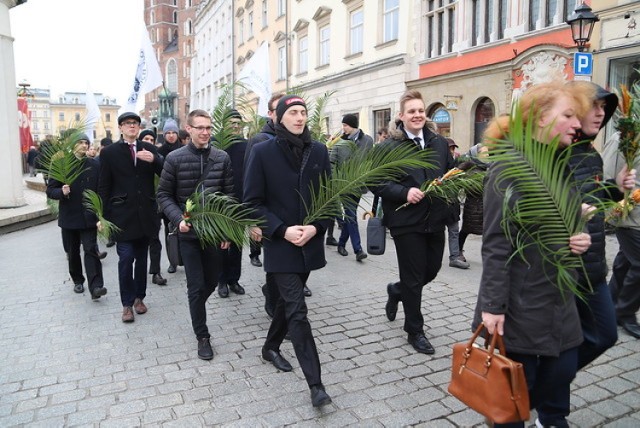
(331, 241)
(306, 291)
(342, 251)
(255, 261)
(275, 358)
(158, 279)
(391, 308)
(236, 288)
(420, 343)
(102, 254)
(171, 269)
(360, 256)
(110, 244)
(223, 290)
(78, 288)
(631, 327)
(319, 396)
(269, 304)
(98, 292)
(205, 351)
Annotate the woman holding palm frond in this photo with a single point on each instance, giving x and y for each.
(78, 223)
(279, 177)
(417, 228)
(520, 294)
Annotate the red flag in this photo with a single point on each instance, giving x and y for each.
(24, 124)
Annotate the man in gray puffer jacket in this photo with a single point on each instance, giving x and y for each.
(202, 166)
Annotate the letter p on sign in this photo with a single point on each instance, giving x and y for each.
(583, 64)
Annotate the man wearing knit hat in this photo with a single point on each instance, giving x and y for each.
(279, 176)
(170, 133)
(355, 143)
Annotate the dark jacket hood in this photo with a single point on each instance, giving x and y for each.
(611, 100)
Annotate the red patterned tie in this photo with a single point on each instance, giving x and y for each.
(133, 153)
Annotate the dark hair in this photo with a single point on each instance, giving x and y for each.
(274, 99)
(383, 130)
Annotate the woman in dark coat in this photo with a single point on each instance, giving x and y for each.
(539, 323)
(279, 176)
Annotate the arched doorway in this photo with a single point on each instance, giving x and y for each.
(439, 114)
(485, 111)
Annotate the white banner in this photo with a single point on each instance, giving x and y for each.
(148, 73)
(256, 75)
(92, 115)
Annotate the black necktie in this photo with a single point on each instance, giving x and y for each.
(417, 140)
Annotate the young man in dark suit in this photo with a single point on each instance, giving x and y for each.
(126, 186)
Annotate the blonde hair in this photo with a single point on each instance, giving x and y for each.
(536, 101)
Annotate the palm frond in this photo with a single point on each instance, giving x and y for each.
(541, 208)
(54, 206)
(58, 159)
(93, 203)
(223, 133)
(217, 218)
(362, 170)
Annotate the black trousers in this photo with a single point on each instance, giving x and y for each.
(255, 248)
(202, 268)
(92, 264)
(231, 265)
(132, 269)
(291, 315)
(155, 249)
(419, 261)
(625, 281)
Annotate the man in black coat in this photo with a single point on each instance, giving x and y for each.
(278, 179)
(78, 224)
(198, 165)
(126, 186)
(417, 229)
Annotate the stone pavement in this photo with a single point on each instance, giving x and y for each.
(69, 361)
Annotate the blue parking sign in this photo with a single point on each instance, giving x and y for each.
(583, 64)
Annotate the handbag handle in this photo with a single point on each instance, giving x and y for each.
(496, 339)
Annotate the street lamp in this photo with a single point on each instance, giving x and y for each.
(582, 21)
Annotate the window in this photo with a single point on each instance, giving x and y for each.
(381, 119)
(439, 24)
(282, 63)
(503, 10)
(390, 18)
(282, 7)
(61, 116)
(356, 31)
(485, 111)
(46, 126)
(152, 17)
(324, 38)
(303, 54)
(241, 32)
(475, 22)
(77, 117)
(188, 28)
(175, 16)
(534, 13)
(552, 8)
(488, 27)
(172, 76)
(569, 8)
(250, 19)
(265, 16)
(107, 117)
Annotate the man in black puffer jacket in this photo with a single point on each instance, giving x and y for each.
(597, 313)
(200, 165)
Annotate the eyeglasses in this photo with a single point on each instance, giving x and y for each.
(130, 123)
(203, 128)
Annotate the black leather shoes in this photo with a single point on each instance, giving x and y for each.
(360, 256)
(102, 254)
(391, 308)
(78, 288)
(171, 269)
(306, 291)
(631, 327)
(319, 396)
(275, 358)
(342, 251)
(331, 241)
(110, 244)
(205, 351)
(236, 288)
(420, 343)
(158, 279)
(255, 261)
(223, 290)
(98, 292)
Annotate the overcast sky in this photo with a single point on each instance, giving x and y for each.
(65, 45)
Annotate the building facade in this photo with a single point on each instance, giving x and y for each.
(38, 101)
(69, 109)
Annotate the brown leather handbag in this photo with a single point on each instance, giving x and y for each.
(488, 382)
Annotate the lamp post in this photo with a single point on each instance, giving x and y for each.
(582, 21)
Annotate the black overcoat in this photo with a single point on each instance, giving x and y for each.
(127, 191)
(280, 192)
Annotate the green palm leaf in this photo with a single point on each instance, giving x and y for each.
(363, 169)
(93, 203)
(540, 200)
(217, 218)
(222, 132)
(58, 160)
